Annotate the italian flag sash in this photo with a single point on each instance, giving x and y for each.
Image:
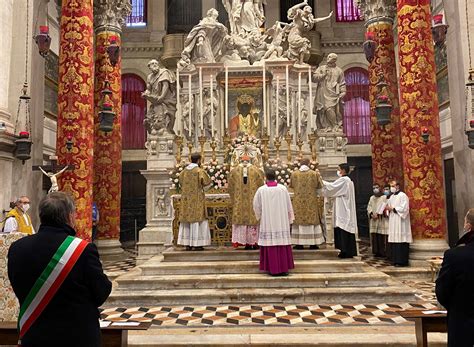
(49, 282)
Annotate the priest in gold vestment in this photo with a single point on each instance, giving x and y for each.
(244, 180)
(306, 229)
(194, 230)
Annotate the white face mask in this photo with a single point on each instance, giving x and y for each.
(25, 207)
(376, 190)
(339, 173)
(393, 190)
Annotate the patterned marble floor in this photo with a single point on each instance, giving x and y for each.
(263, 315)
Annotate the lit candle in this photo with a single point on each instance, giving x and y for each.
(310, 79)
(287, 97)
(178, 106)
(190, 96)
(226, 103)
(212, 106)
(299, 102)
(264, 98)
(201, 106)
(277, 105)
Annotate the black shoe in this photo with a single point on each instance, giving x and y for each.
(248, 247)
(342, 255)
(255, 247)
(189, 248)
(199, 248)
(314, 247)
(298, 247)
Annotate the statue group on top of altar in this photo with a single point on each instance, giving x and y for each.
(209, 41)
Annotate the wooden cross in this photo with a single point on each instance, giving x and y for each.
(53, 166)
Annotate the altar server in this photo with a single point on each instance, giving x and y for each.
(244, 180)
(378, 222)
(345, 219)
(194, 230)
(399, 228)
(307, 227)
(272, 206)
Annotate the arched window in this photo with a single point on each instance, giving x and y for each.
(183, 15)
(347, 11)
(357, 106)
(137, 17)
(285, 5)
(133, 112)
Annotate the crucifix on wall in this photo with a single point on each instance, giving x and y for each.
(52, 171)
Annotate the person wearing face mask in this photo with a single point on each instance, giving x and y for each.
(455, 287)
(345, 218)
(54, 273)
(399, 227)
(378, 223)
(18, 220)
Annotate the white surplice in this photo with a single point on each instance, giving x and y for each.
(344, 209)
(377, 205)
(272, 207)
(399, 227)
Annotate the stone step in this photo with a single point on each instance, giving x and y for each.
(332, 295)
(229, 281)
(231, 255)
(409, 273)
(158, 267)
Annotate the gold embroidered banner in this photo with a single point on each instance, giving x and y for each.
(422, 162)
(76, 107)
(108, 146)
(386, 141)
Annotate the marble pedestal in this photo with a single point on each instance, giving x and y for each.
(421, 250)
(157, 233)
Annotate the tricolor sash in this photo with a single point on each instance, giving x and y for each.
(49, 282)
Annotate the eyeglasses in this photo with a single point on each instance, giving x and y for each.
(24, 202)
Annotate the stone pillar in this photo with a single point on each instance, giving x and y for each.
(458, 67)
(109, 18)
(6, 25)
(385, 140)
(76, 107)
(422, 162)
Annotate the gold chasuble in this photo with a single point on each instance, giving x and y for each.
(244, 180)
(193, 199)
(305, 200)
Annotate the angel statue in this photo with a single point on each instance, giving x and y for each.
(303, 20)
(245, 16)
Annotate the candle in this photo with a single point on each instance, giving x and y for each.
(299, 102)
(310, 78)
(178, 106)
(287, 97)
(212, 106)
(277, 106)
(226, 111)
(264, 98)
(201, 106)
(190, 96)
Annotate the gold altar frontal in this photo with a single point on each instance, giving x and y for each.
(219, 215)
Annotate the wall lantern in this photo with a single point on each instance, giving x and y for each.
(425, 134)
(370, 46)
(439, 30)
(23, 146)
(106, 113)
(43, 40)
(113, 51)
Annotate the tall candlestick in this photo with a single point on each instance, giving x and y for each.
(226, 102)
(277, 131)
(264, 98)
(178, 104)
(190, 96)
(299, 102)
(310, 81)
(212, 106)
(201, 106)
(287, 97)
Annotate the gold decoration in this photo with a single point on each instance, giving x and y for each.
(265, 140)
(213, 145)
(202, 141)
(289, 139)
(299, 143)
(277, 144)
(190, 150)
(312, 137)
(178, 140)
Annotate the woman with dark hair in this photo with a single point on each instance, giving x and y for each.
(272, 206)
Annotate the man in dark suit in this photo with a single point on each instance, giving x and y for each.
(455, 287)
(71, 318)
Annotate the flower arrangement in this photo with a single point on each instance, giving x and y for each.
(174, 176)
(283, 171)
(243, 140)
(219, 174)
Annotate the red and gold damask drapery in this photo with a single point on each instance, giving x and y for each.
(76, 107)
(422, 162)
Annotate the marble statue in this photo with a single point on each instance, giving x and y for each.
(161, 202)
(245, 16)
(204, 42)
(187, 109)
(278, 33)
(330, 92)
(54, 178)
(207, 110)
(303, 21)
(161, 93)
(282, 128)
